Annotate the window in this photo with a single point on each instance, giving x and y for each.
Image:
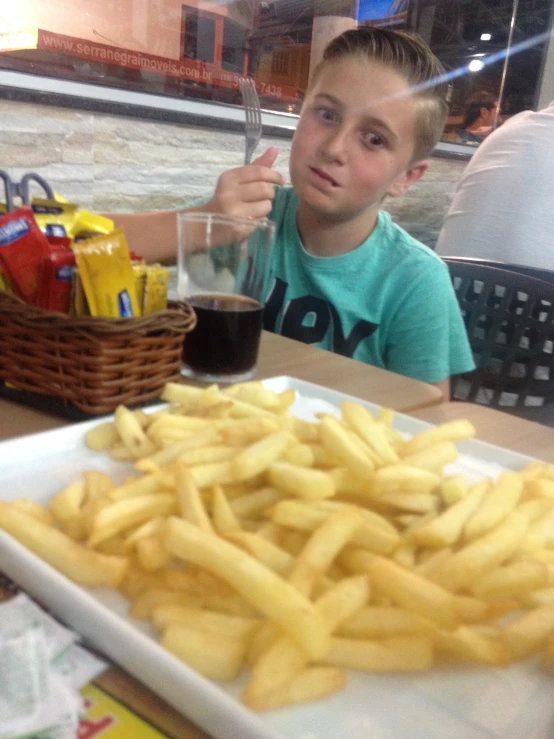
(493, 50)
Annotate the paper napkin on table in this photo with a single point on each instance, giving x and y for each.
(42, 669)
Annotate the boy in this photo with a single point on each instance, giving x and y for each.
(344, 277)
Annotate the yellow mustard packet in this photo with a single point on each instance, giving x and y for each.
(54, 218)
(157, 281)
(90, 223)
(107, 276)
(78, 300)
(139, 273)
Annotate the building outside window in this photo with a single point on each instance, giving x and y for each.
(495, 51)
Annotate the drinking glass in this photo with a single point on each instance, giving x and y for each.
(222, 269)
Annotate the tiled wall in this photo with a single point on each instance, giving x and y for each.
(114, 163)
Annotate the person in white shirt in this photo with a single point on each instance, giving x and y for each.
(503, 206)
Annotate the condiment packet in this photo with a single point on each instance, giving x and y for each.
(107, 276)
(90, 224)
(23, 248)
(155, 296)
(56, 284)
(54, 218)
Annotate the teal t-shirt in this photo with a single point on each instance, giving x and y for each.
(389, 303)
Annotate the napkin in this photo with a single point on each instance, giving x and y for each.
(42, 669)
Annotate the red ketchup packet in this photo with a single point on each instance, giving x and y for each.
(56, 283)
(23, 249)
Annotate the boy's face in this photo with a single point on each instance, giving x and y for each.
(355, 140)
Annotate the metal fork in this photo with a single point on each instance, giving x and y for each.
(253, 114)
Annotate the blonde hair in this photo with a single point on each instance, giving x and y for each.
(410, 56)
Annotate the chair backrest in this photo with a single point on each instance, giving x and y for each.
(509, 319)
(541, 274)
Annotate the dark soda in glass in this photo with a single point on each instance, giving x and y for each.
(227, 335)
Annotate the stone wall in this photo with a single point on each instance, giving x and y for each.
(113, 163)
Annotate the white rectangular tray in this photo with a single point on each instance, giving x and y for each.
(458, 702)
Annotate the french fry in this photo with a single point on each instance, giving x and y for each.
(36, 510)
(530, 632)
(301, 482)
(447, 528)
(399, 478)
(170, 453)
(152, 527)
(380, 622)
(284, 659)
(259, 456)
(145, 485)
(363, 423)
(451, 431)
(91, 569)
(224, 519)
(453, 489)
(374, 533)
(97, 484)
(472, 610)
(151, 554)
(415, 502)
(322, 547)
(540, 533)
(190, 503)
(213, 655)
(125, 513)
(101, 437)
(269, 554)
(414, 593)
(498, 503)
(212, 473)
(469, 644)
(146, 601)
(311, 684)
(258, 585)
(236, 627)
(433, 457)
(482, 555)
(67, 503)
(131, 433)
(300, 455)
(334, 437)
(254, 504)
(510, 581)
(398, 654)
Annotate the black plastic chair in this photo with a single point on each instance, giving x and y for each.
(509, 319)
(541, 274)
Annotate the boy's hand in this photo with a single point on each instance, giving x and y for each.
(247, 192)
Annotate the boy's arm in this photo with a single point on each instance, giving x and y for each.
(152, 235)
(444, 387)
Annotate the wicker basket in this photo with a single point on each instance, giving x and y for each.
(92, 364)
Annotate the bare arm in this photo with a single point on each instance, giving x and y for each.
(151, 235)
(444, 387)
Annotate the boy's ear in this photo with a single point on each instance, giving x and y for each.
(405, 181)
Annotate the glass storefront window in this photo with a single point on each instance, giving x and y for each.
(194, 49)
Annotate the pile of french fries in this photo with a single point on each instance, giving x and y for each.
(247, 535)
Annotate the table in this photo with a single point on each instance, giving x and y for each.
(278, 356)
(497, 427)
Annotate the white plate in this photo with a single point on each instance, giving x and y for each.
(457, 702)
